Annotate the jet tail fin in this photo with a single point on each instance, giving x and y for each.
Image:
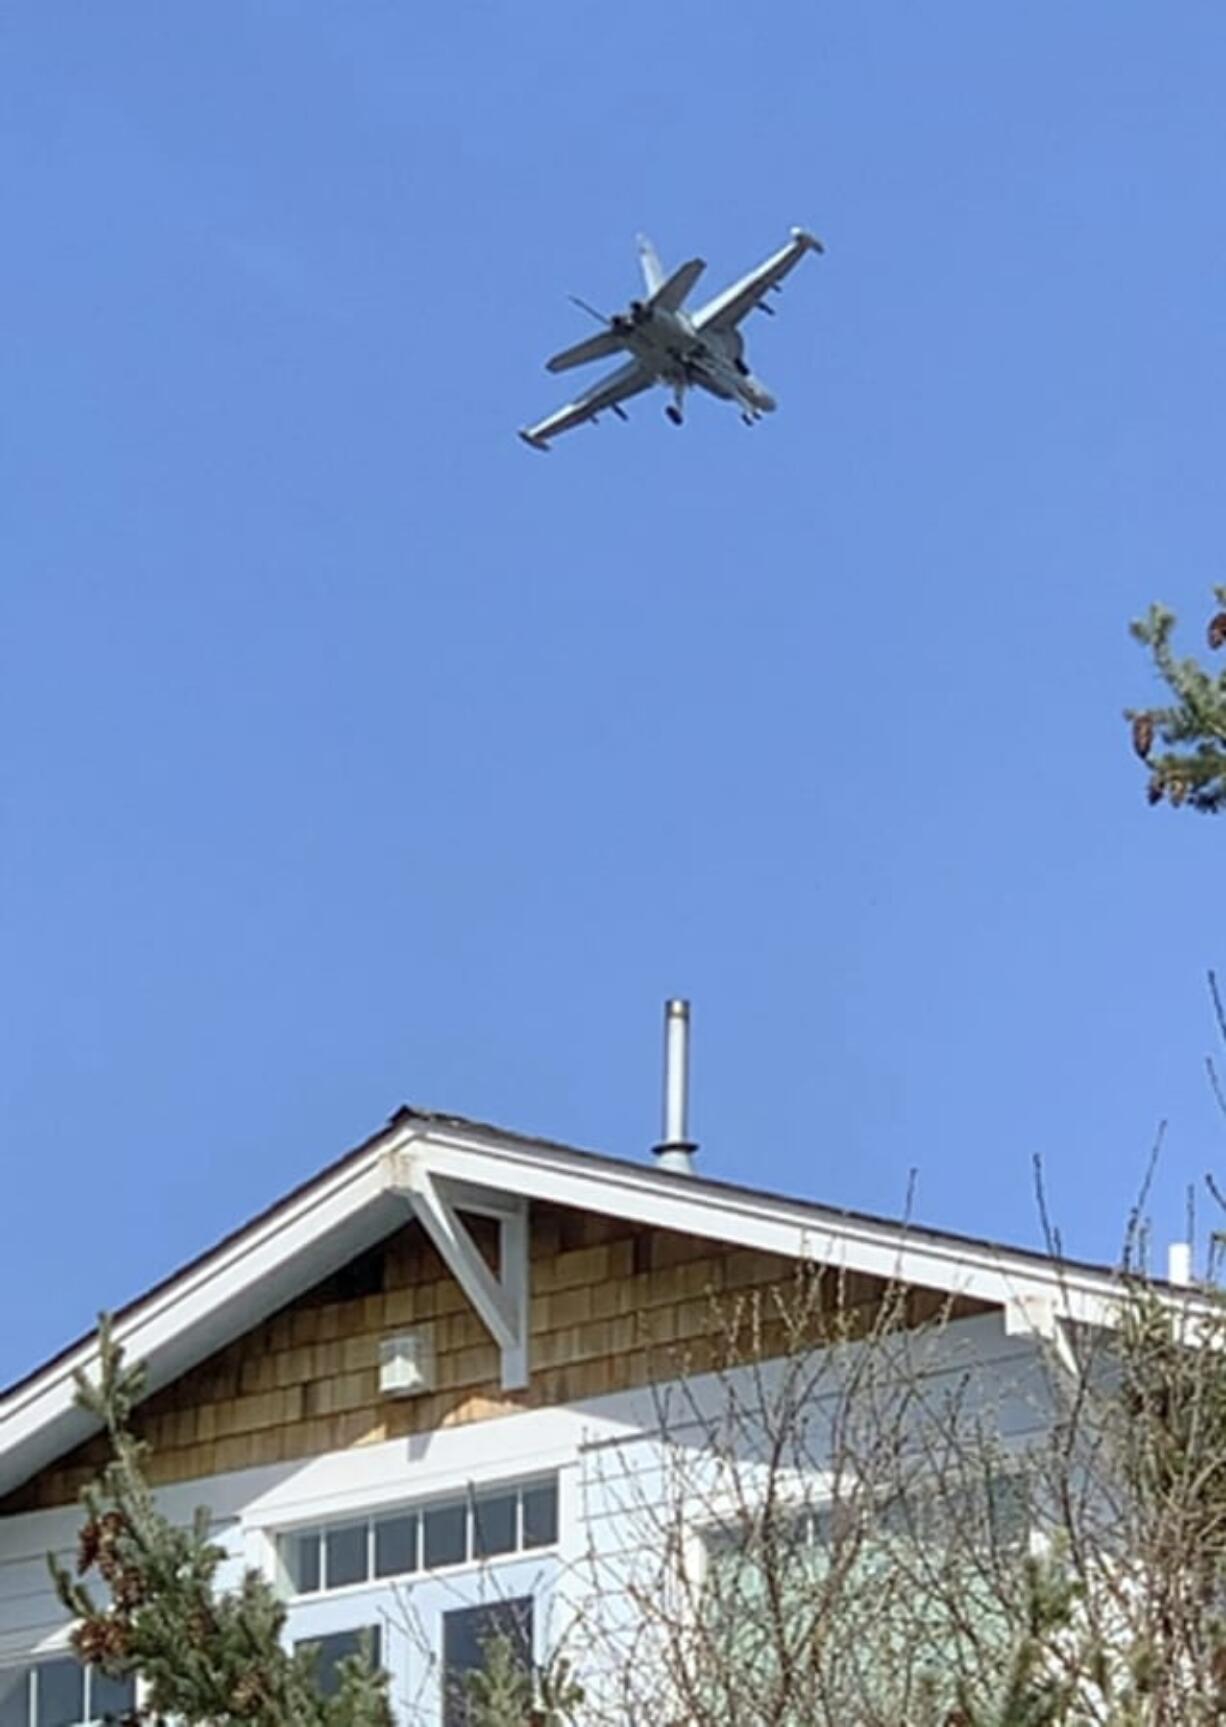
(597, 347)
(671, 294)
(653, 270)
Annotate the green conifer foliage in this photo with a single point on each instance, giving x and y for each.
(507, 1692)
(1192, 767)
(208, 1659)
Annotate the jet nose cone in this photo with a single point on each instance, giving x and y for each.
(766, 402)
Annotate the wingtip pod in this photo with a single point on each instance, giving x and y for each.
(808, 239)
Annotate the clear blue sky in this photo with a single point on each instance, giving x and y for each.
(353, 753)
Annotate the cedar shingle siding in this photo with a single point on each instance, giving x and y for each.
(614, 1306)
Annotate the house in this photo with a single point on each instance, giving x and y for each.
(413, 1391)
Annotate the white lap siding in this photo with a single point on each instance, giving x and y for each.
(620, 1468)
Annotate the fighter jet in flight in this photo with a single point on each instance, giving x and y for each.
(682, 350)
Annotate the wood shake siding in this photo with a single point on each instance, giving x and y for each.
(614, 1306)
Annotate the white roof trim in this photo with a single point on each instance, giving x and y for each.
(159, 1330)
(792, 1228)
(313, 1232)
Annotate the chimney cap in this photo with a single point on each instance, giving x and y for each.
(1179, 1263)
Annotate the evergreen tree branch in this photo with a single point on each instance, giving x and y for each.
(1192, 727)
(208, 1658)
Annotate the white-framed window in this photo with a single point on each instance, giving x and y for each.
(333, 1647)
(994, 1509)
(920, 1575)
(60, 1692)
(468, 1636)
(483, 1523)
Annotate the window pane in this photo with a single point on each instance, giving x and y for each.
(835, 1523)
(396, 1545)
(346, 1555)
(109, 1697)
(302, 1562)
(444, 1530)
(1009, 1510)
(332, 1650)
(468, 1633)
(337, 1648)
(493, 1524)
(15, 1697)
(541, 1514)
(61, 1693)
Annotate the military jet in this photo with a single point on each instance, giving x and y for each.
(682, 350)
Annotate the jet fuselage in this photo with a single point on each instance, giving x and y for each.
(662, 343)
(668, 342)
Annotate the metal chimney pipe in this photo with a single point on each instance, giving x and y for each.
(676, 1150)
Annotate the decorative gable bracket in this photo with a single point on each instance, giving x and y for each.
(501, 1300)
(1040, 1316)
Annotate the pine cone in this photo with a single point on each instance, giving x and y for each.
(117, 1640)
(1153, 791)
(89, 1640)
(1143, 734)
(245, 1696)
(1217, 630)
(128, 1588)
(87, 1545)
(110, 1528)
(1177, 792)
(198, 1628)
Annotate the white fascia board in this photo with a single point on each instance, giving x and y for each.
(790, 1228)
(248, 1276)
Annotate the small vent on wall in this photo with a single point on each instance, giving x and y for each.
(406, 1364)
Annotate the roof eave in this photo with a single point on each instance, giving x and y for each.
(216, 1299)
(364, 1196)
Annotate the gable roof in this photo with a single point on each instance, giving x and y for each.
(365, 1195)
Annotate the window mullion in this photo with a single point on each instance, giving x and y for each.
(474, 1538)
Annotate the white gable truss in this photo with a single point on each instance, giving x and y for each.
(435, 1167)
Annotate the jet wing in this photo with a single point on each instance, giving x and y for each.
(597, 347)
(727, 309)
(671, 294)
(627, 381)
